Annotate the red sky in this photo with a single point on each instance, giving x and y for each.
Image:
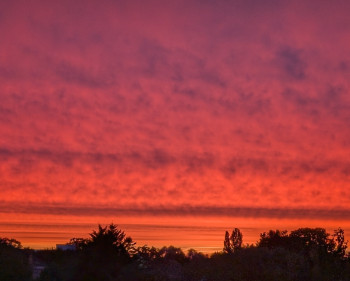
(186, 110)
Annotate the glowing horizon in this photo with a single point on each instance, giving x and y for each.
(205, 234)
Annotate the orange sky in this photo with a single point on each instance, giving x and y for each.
(135, 111)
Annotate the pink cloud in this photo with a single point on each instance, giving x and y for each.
(241, 105)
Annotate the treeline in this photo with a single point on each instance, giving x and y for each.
(108, 255)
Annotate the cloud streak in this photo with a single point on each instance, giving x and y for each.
(186, 210)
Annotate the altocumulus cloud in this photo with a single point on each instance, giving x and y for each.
(136, 103)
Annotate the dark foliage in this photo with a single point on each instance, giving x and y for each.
(14, 261)
(100, 258)
(324, 254)
(305, 254)
(234, 242)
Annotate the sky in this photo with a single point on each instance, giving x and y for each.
(173, 114)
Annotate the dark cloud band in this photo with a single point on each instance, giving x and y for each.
(184, 210)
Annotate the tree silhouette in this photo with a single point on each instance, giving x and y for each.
(309, 254)
(234, 242)
(236, 239)
(312, 238)
(79, 243)
(104, 254)
(306, 239)
(274, 239)
(227, 243)
(340, 243)
(10, 242)
(110, 237)
(14, 262)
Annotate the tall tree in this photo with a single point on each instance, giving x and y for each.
(236, 239)
(227, 243)
(234, 242)
(104, 254)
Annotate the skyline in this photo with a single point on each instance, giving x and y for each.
(180, 111)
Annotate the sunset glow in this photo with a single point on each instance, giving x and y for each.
(176, 120)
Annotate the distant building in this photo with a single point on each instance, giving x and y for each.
(66, 247)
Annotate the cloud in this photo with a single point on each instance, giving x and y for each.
(242, 102)
(72, 74)
(148, 177)
(292, 63)
(182, 210)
